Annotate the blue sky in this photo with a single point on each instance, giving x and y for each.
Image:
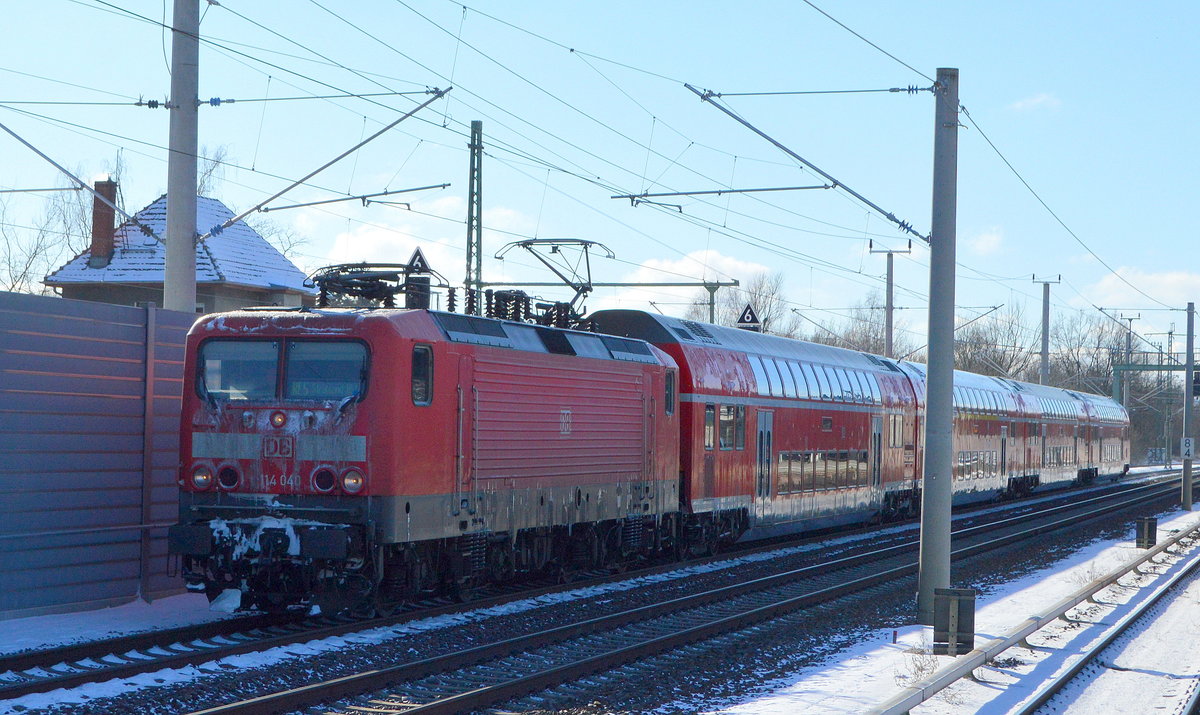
(1090, 102)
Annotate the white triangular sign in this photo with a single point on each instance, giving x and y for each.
(748, 317)
(418, 264)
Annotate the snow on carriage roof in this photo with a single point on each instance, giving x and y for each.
(238, 255)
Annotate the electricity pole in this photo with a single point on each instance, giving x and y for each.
(474, 278)
(1189, 366)
(889, 303)
(1044, 368)
(179, 274)
(934, 559)
(1128, 355)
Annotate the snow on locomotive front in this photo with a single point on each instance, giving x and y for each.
(274, 478)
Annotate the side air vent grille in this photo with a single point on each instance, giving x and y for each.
(700, 331)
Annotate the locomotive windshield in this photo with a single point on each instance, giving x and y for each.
(239, 370)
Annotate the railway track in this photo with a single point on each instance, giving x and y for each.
(488, 674)
(1106, 648)
(71, 666)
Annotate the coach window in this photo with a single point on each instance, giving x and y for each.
(760, 376)
(726, 432)
(710, 424)
(823, 377)
(422, 375)
(739, 427)
(774, 377)
(797, 379)
(810, 377)
(844, 380)
(872, 387)
(864, 392)
(789, 384)
(669, 397)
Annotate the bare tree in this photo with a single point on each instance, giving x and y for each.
(211, 170)
(864, 329)
(285, 238)
(763, 292)
(61, 232)
(1083, 349)
(25, 258)
(998, 344)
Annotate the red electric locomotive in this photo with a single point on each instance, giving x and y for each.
(336, 456)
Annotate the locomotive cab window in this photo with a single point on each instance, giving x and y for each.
(325, 370)
(247, 370)
(238, 370)
(422, 375)
(669, 397)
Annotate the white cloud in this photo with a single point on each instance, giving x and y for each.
(378, 244)
(698, 266)
(1044, 100)
(986, 243)
(1175, 288)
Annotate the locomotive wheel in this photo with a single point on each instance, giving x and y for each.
(387, 605)
(464, 592)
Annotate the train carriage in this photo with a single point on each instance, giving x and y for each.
(782, 435)
(834, 435)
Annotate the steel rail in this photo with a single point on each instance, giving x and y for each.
(382, 678)
(915, 694)
(69, 666)
(1058, 683)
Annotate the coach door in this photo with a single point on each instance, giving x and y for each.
(467, 400)
(1003, 450)
(876, 451)
(766, 449)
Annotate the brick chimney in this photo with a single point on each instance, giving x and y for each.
(103, 228)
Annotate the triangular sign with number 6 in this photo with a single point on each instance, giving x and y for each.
(748, 316)
(418, 264)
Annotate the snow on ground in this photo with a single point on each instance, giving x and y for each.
(868, 675)
(48, 631)
(42, 632)
(861, 677)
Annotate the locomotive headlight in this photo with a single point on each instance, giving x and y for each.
(352, 481)
(228, 477)
(324, 480)
(278, 419)
(202, 477)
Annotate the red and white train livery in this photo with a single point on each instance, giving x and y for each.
(343, 457)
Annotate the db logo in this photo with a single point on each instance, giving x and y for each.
(278, 447)
(564, 421)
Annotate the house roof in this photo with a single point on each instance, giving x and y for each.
(237, 256)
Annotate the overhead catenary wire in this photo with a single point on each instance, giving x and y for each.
(437, 94)
(707, 96)
(1052, 213)
(145, 229)
(606, 60)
